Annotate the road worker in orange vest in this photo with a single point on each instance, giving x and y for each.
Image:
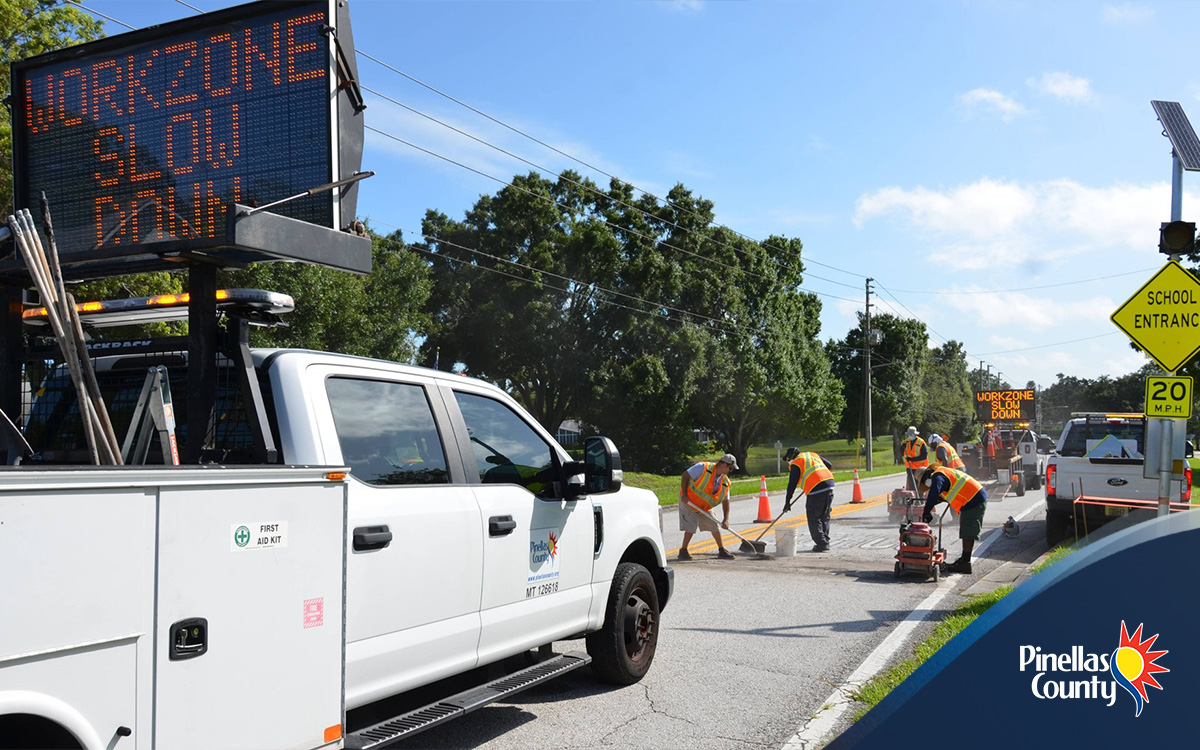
(965, 495)
(916, 457)
(704, 487)
(944, 453)
(814, 476)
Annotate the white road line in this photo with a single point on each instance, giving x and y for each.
(814, 731)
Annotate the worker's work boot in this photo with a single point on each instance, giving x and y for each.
(959, 566)
(684, 555)
(723, 555)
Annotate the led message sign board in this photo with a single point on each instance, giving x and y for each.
(1006, 406)
(149, 137)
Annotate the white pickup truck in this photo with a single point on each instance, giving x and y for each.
(472, 541)
(1099, 455)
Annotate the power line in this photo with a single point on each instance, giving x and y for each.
(1031, 288)
(1046, 346)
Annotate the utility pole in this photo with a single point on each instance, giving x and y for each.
(867, 377)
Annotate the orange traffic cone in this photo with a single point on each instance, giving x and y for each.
(764, 505)
(857, 498)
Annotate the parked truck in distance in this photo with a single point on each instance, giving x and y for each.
(1100, 455)
(473, 542)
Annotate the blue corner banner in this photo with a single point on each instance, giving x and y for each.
(1101, 648)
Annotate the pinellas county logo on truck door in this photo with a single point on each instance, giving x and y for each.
(543, 563)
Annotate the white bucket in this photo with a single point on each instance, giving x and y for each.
(1003, 476)
(785, 542)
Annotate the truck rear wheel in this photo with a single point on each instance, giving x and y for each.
(1057, 523)
(623, 649)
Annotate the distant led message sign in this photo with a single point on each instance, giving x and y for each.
(1006, 406)
(147, 137)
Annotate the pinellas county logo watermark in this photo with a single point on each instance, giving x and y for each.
(1131, 665)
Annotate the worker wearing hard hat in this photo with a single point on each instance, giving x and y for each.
(916, 456)
(944, 453)
(701, 489)
(965, 495)
(814, 476)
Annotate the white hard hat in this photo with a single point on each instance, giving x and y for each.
(934, 439)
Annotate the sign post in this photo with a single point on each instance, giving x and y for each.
(1163, 318)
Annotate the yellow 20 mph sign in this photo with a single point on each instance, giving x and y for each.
(1169, 397)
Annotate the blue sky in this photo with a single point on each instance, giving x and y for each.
(957, 152)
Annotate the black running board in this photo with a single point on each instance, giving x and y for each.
(406, 725)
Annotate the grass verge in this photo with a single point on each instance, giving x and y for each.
(964, 614)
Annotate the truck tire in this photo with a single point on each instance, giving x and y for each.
(1057, 523)
(1035, 481)
(623, 649)
(1021, 486)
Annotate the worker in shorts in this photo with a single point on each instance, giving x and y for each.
(814, 476)
(705, 486)
(916, 458)
(965, 495)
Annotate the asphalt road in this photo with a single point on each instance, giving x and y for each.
(751, 650)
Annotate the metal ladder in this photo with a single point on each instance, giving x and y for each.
(153, 408)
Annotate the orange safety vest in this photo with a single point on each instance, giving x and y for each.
(912, 449)
(952, 459)
(812, 471)
(963, 486)
(709, 490)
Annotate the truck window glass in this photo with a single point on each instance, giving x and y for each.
(1081, 433)
(507, 450)
(55, 431)
(387, 432)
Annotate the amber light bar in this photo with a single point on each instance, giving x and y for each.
(165, 307)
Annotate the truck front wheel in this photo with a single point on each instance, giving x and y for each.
(623, 649)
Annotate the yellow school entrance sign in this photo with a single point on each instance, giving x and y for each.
(1163, 317)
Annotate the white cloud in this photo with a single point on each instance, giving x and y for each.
(1126, 14)
(992, 100)
(1064, 86)
(993, 224)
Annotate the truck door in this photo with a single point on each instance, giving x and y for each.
(538, 548)
(415, 549)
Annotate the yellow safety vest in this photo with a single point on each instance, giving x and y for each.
(812, 471)
(912, 449)
(709, 490)
(952, 459)
(963, 486)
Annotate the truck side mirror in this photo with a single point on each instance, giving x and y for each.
(602, 462)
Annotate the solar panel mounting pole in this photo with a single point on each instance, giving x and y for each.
(1185, 154)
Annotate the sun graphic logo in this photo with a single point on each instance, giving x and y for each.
(553, 546)
(1133, 665)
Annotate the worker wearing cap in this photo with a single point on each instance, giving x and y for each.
(814, 476)
(702, 488)
(916, 457)
(967, 497)
(944, 453)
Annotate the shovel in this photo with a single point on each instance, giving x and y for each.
(758, 547)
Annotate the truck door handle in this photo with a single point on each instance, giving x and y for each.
(371, 537)
(501, 525)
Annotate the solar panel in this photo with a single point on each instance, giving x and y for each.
(1179, 130)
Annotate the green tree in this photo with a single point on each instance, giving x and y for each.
(897, 376)
(337, 311)
(948, 397)
(28, 28)
(763, 371)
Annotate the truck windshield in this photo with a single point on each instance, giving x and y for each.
(1084, 435)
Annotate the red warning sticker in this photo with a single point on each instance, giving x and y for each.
(314, 612)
